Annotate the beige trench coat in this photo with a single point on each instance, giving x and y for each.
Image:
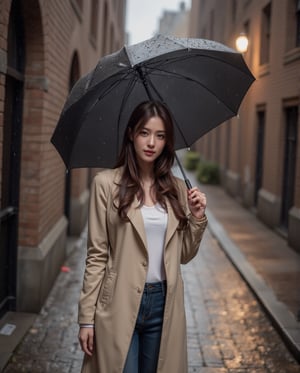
(115, 275)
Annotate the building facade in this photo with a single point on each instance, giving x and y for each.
(259, 151)
(175, 23)
(45, 46)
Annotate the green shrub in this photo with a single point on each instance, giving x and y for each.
(208, 173)
(191, 160)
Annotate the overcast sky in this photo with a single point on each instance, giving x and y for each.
(142, 17)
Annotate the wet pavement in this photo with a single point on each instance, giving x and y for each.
(228, 331)
(51, 345)
(263, 258)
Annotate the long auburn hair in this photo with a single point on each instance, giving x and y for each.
(165, 185)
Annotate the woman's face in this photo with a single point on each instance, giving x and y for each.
(149, 141)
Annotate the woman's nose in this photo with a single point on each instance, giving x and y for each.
(151, 142)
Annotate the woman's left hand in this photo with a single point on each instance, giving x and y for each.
(197, 202)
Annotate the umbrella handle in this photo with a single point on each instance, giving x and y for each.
(186, 180)
(188, 184)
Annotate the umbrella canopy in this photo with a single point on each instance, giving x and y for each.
(202, 82)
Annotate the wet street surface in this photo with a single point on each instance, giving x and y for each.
(227, 329)
(228, 332)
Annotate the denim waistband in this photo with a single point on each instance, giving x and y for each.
(155, 287)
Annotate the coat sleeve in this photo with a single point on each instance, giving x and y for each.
(192, 238)
(193, 233)
(97, 250)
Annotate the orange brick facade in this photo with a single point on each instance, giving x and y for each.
(62, 40)
(259, 151)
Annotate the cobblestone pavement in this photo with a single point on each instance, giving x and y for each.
(227, 330)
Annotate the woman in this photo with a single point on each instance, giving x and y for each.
(143, 223)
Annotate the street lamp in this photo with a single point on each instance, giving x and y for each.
(241, 43)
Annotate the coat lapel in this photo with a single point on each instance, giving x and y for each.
(134, 213)
(135, 216)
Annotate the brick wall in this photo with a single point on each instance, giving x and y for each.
(54, 32)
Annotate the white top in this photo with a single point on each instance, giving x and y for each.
(155, 221)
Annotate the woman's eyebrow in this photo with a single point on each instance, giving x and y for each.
(149, 129)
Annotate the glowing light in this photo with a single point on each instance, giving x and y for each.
(241, 43)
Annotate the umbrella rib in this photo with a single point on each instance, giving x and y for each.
(174, 119)
(111, 87)
(130, 87)
(177, 75)
(178, 58)
(106, 92)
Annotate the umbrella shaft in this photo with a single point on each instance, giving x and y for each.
(186, 180)
(144, 80)
(145, 83)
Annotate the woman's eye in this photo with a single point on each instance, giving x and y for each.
(161, 136)
(144, 133)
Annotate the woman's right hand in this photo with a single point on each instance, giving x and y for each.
(86, 339)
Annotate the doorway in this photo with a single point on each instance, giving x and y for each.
(260, 136)
(289, 170)
(11, 158)
(74, 76)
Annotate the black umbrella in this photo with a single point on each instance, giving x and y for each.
(202, 82)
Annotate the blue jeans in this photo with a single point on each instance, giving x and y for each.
(144, 347)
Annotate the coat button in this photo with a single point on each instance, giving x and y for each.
(139, 290)
(144, 264)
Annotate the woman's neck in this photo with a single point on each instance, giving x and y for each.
(147, 175)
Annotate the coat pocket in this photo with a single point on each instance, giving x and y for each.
(108, 287)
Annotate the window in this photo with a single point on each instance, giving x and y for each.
(290, 159)
(79, 3)
(104, 31)
(94, 22)
(260, 137)
(112, 39)
(74, 72)
(293, 24)
(247, 33)
(77, 7)
(211, 26)
(298, 23)
(202, 5)
(233, 10)
(247, 27)
(265, 35)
